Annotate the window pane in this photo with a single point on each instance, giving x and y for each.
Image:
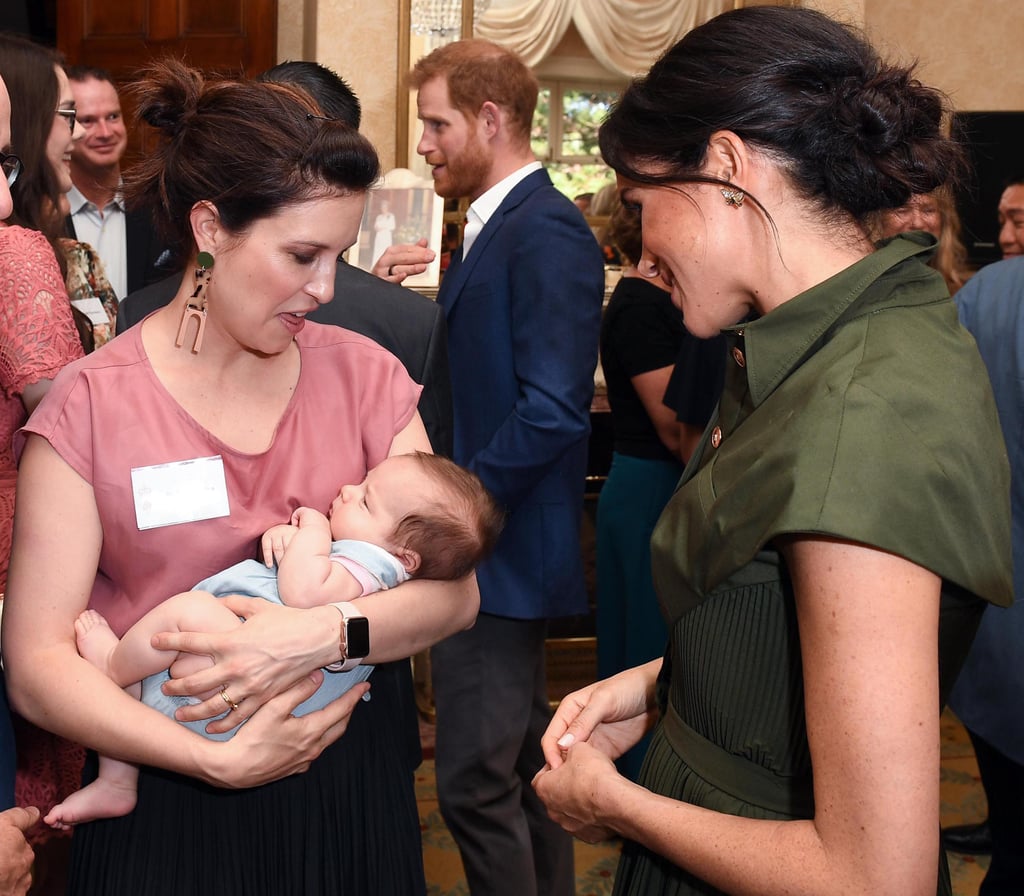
(574, 178)
(540, 136)
(582, 114)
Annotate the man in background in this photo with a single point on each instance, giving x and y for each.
(124, 240)
(989, 693)
(1011, 219)
(522, 298)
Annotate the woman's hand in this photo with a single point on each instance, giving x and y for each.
(276, 648)
(274, 743)
(610, 715)
(576, 792)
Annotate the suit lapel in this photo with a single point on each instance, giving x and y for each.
(460, 269)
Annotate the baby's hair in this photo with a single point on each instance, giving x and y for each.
(454, 536)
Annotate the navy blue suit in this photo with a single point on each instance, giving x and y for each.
(523, 312)
(524, 317)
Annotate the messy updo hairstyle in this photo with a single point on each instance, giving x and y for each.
(853, 133)
(250, 148)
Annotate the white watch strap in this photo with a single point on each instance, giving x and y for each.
(347, 611)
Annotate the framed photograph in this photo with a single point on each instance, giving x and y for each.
(403, 209)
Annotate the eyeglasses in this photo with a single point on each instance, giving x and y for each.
(11, 167)
(69, 116)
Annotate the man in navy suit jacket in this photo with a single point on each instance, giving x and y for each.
(523, 304)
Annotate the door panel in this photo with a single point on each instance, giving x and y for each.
(232, 37)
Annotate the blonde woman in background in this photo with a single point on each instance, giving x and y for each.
(934, 213)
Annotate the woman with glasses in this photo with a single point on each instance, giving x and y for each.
(38, 337)
(37, 331)
(40, 199)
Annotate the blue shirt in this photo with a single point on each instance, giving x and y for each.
(989, 693)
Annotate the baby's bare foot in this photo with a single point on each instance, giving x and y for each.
(95, 639)
(100, 799)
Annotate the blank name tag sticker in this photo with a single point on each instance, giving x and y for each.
(180, 492)
(93, 309)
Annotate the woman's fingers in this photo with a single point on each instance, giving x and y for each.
(248, 706)
(275, 744)
(401, 261)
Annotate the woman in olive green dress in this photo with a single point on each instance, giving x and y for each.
(846, 517)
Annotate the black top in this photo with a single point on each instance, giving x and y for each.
(641, 331)
(696, 383)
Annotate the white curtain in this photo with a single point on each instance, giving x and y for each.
(625, 36)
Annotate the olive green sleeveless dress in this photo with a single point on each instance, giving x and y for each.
(859, 410)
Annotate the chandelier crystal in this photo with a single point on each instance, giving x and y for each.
(442, 18)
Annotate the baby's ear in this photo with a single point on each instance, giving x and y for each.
(410, 559)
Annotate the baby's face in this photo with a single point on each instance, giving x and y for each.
(371, 510)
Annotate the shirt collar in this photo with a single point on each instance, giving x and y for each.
(773, 346)
(77, 201)
(487, 204)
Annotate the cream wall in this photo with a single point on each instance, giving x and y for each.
(356, 38)
(968, 48)
(971, 49)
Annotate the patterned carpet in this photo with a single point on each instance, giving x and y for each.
(962, 801)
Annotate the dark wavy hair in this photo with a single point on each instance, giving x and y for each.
(251, 148)
(855, 134)
(28, 71)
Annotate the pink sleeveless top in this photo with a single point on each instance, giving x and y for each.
(108, 413)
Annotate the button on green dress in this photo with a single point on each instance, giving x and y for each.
(859, 410)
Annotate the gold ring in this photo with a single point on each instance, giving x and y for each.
(224, 696)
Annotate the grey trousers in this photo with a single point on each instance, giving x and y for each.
(492, 708)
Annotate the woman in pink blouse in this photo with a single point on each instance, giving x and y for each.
(164, 456)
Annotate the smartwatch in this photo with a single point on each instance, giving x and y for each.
(355, 637)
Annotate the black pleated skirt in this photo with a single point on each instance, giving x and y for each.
(348, 825)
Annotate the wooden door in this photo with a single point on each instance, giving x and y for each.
(235, 37)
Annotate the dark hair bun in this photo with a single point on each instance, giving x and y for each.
(855, 134)
(168, 95)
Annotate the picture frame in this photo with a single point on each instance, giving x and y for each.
(403, 209)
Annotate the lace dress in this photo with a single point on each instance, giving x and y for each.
(37, 338)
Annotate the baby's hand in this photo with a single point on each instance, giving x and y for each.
(307, 516)
(275, 542)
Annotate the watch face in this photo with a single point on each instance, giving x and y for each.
(357, 637)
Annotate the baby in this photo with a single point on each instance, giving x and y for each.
(413, 515)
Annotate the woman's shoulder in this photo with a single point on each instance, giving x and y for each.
(111, 363)
(25, 251)
(14, 235)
